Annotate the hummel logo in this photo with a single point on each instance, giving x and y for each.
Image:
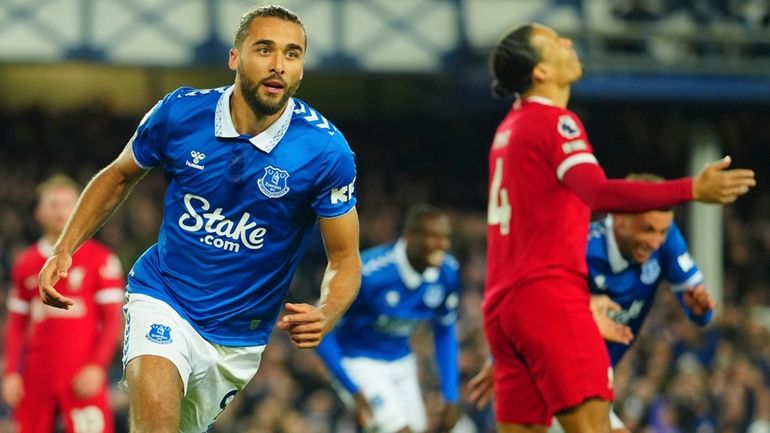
(197, 157)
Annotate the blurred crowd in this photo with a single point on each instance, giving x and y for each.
(678, 378)
(675, 31)
(748, 13)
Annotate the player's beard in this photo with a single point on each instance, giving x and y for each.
(258, 105)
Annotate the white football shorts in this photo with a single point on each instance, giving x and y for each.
(212, 374)
(392, 390)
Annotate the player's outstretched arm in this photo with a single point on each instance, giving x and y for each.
(308, 324)
(716, 184)
(103, 194)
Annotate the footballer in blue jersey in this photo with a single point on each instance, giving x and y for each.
(628, 257)
(404, 283)
(250, 170)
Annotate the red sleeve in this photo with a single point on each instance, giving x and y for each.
(111, 321)
(17, 318)
(109, 297)
(15, 327)
(590, 183)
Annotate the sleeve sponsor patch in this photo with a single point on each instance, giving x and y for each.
(343, 194)
(685, 262)
(567, 127)
(574, 146)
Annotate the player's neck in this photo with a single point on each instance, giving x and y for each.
(245, 120)
(558, 95)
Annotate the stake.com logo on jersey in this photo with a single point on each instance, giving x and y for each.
(222, 232)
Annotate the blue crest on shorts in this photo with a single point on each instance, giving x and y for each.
(273, 182)
(160, 334)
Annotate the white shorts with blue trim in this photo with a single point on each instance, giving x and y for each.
(392, 390)
(211, 374)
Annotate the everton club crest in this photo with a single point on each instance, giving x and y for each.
(273, 184)
(160, 334)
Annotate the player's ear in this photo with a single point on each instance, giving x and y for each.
(540, 73)
(232, 61)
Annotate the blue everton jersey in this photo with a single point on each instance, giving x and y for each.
(238, 210)
(632, 285)
(393, 300)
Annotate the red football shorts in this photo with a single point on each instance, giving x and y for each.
(42, 402)
(548, 353)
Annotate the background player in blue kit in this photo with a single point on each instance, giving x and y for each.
(628, 257)
(250, 169)
(404, 283)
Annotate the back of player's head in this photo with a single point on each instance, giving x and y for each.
(54, 182)
(416, 215)
(270, 11)
(512, 62)
(649, 177)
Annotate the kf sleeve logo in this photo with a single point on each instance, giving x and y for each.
(344, 194)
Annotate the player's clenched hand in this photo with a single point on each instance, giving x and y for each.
(448, 418)
(88, 381)
(698, 300)
(12, 389)
(716, 184)
(306, 324)
(611, 330)
(482, 386)
(55, 268)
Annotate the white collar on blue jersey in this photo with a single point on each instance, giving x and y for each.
(409, 276)
(618, 263)
(265, 140)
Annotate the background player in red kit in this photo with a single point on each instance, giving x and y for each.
(544, 181)
(56, 359)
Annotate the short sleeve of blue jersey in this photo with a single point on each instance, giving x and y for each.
(335, 188)
(150, 137)
(679, 268)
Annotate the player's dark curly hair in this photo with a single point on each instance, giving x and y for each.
(512, 63)
(271, 11)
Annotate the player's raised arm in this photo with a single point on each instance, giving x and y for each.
(103, 194)
(339, 287)
(714, 184)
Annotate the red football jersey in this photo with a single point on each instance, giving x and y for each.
(58, 342)
(537, 227)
